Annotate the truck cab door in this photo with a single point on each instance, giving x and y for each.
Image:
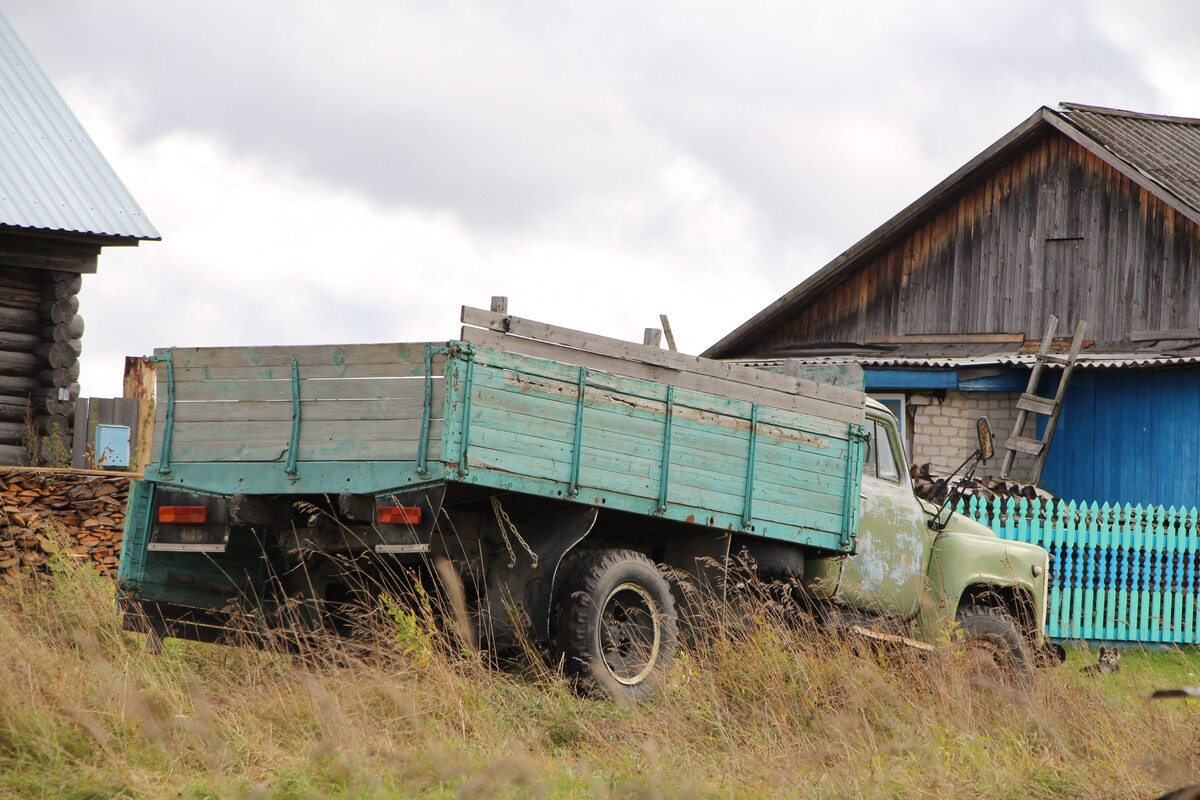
(886, 575)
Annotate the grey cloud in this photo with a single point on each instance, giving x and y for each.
(410, 108)
(504, 114)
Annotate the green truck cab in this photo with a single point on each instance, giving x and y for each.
(917, 566)
(541, 479)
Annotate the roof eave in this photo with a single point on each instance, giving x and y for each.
(90, 237)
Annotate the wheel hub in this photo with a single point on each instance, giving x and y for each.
(630, 633)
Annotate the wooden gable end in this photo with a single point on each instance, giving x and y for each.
(1054, 231)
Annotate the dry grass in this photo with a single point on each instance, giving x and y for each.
(763, 711)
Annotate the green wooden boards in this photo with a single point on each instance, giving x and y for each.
(635, 429)
(555, 429)
(357, 403)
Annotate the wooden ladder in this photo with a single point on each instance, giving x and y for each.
(1031, 401)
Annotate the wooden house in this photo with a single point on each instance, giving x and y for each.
(60, 203)
(1080, 212)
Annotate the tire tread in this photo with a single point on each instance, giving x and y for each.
(581, 583)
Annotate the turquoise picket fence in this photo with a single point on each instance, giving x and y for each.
(1118, 573)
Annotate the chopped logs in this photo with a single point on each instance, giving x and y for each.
(40, 342)
(932, 487)
(45, 510)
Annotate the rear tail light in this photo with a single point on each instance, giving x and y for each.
(188, 515)
(398, 515)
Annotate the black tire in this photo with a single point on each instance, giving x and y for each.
(617, 628)
(996, 651)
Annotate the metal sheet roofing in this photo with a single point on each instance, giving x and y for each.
(1164, 149)
(1005, 359)
(52, 176)
(943, 350)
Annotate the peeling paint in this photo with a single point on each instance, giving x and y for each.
(598, 397)
(887, 570)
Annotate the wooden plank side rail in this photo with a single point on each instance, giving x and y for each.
(617, 348)
(513, 334)
(1119, 573)
(546, 427)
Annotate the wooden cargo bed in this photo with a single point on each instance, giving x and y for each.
(519, 406)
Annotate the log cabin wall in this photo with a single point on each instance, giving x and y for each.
(1055, 231)
(40, 344)
(61, 204)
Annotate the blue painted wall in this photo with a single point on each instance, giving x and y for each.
(1128, 436)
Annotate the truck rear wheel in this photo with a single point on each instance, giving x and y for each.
(995, 649)
(617, 626)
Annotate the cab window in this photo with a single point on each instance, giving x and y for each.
(880, 459)
(887, 468)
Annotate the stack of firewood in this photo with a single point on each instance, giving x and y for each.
(46, 510)
(933, 487)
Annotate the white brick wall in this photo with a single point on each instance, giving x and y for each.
(943, 430)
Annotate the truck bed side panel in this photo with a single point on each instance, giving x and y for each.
(526, 430)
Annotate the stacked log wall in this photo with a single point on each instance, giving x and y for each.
(47, 512)
(41, 335)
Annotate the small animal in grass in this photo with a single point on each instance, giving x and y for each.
(1108, 662)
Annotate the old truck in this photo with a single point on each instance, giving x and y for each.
(545, 477)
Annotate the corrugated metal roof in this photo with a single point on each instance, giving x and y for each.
(1164, 149)
(1004, 359)
(891, 351)
(52, 176)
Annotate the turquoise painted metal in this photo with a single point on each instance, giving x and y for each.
(426, 414)
(164, 461)
(577, 440)
(1119, 573)
(294, 440)
(507, 421)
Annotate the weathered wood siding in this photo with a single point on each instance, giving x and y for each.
(1056, 231)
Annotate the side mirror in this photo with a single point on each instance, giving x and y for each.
(986, 441)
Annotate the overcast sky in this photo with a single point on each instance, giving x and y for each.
(356, 171)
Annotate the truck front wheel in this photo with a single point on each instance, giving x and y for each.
(617, 627)
(995, 649)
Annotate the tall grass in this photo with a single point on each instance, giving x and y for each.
(761, 709)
